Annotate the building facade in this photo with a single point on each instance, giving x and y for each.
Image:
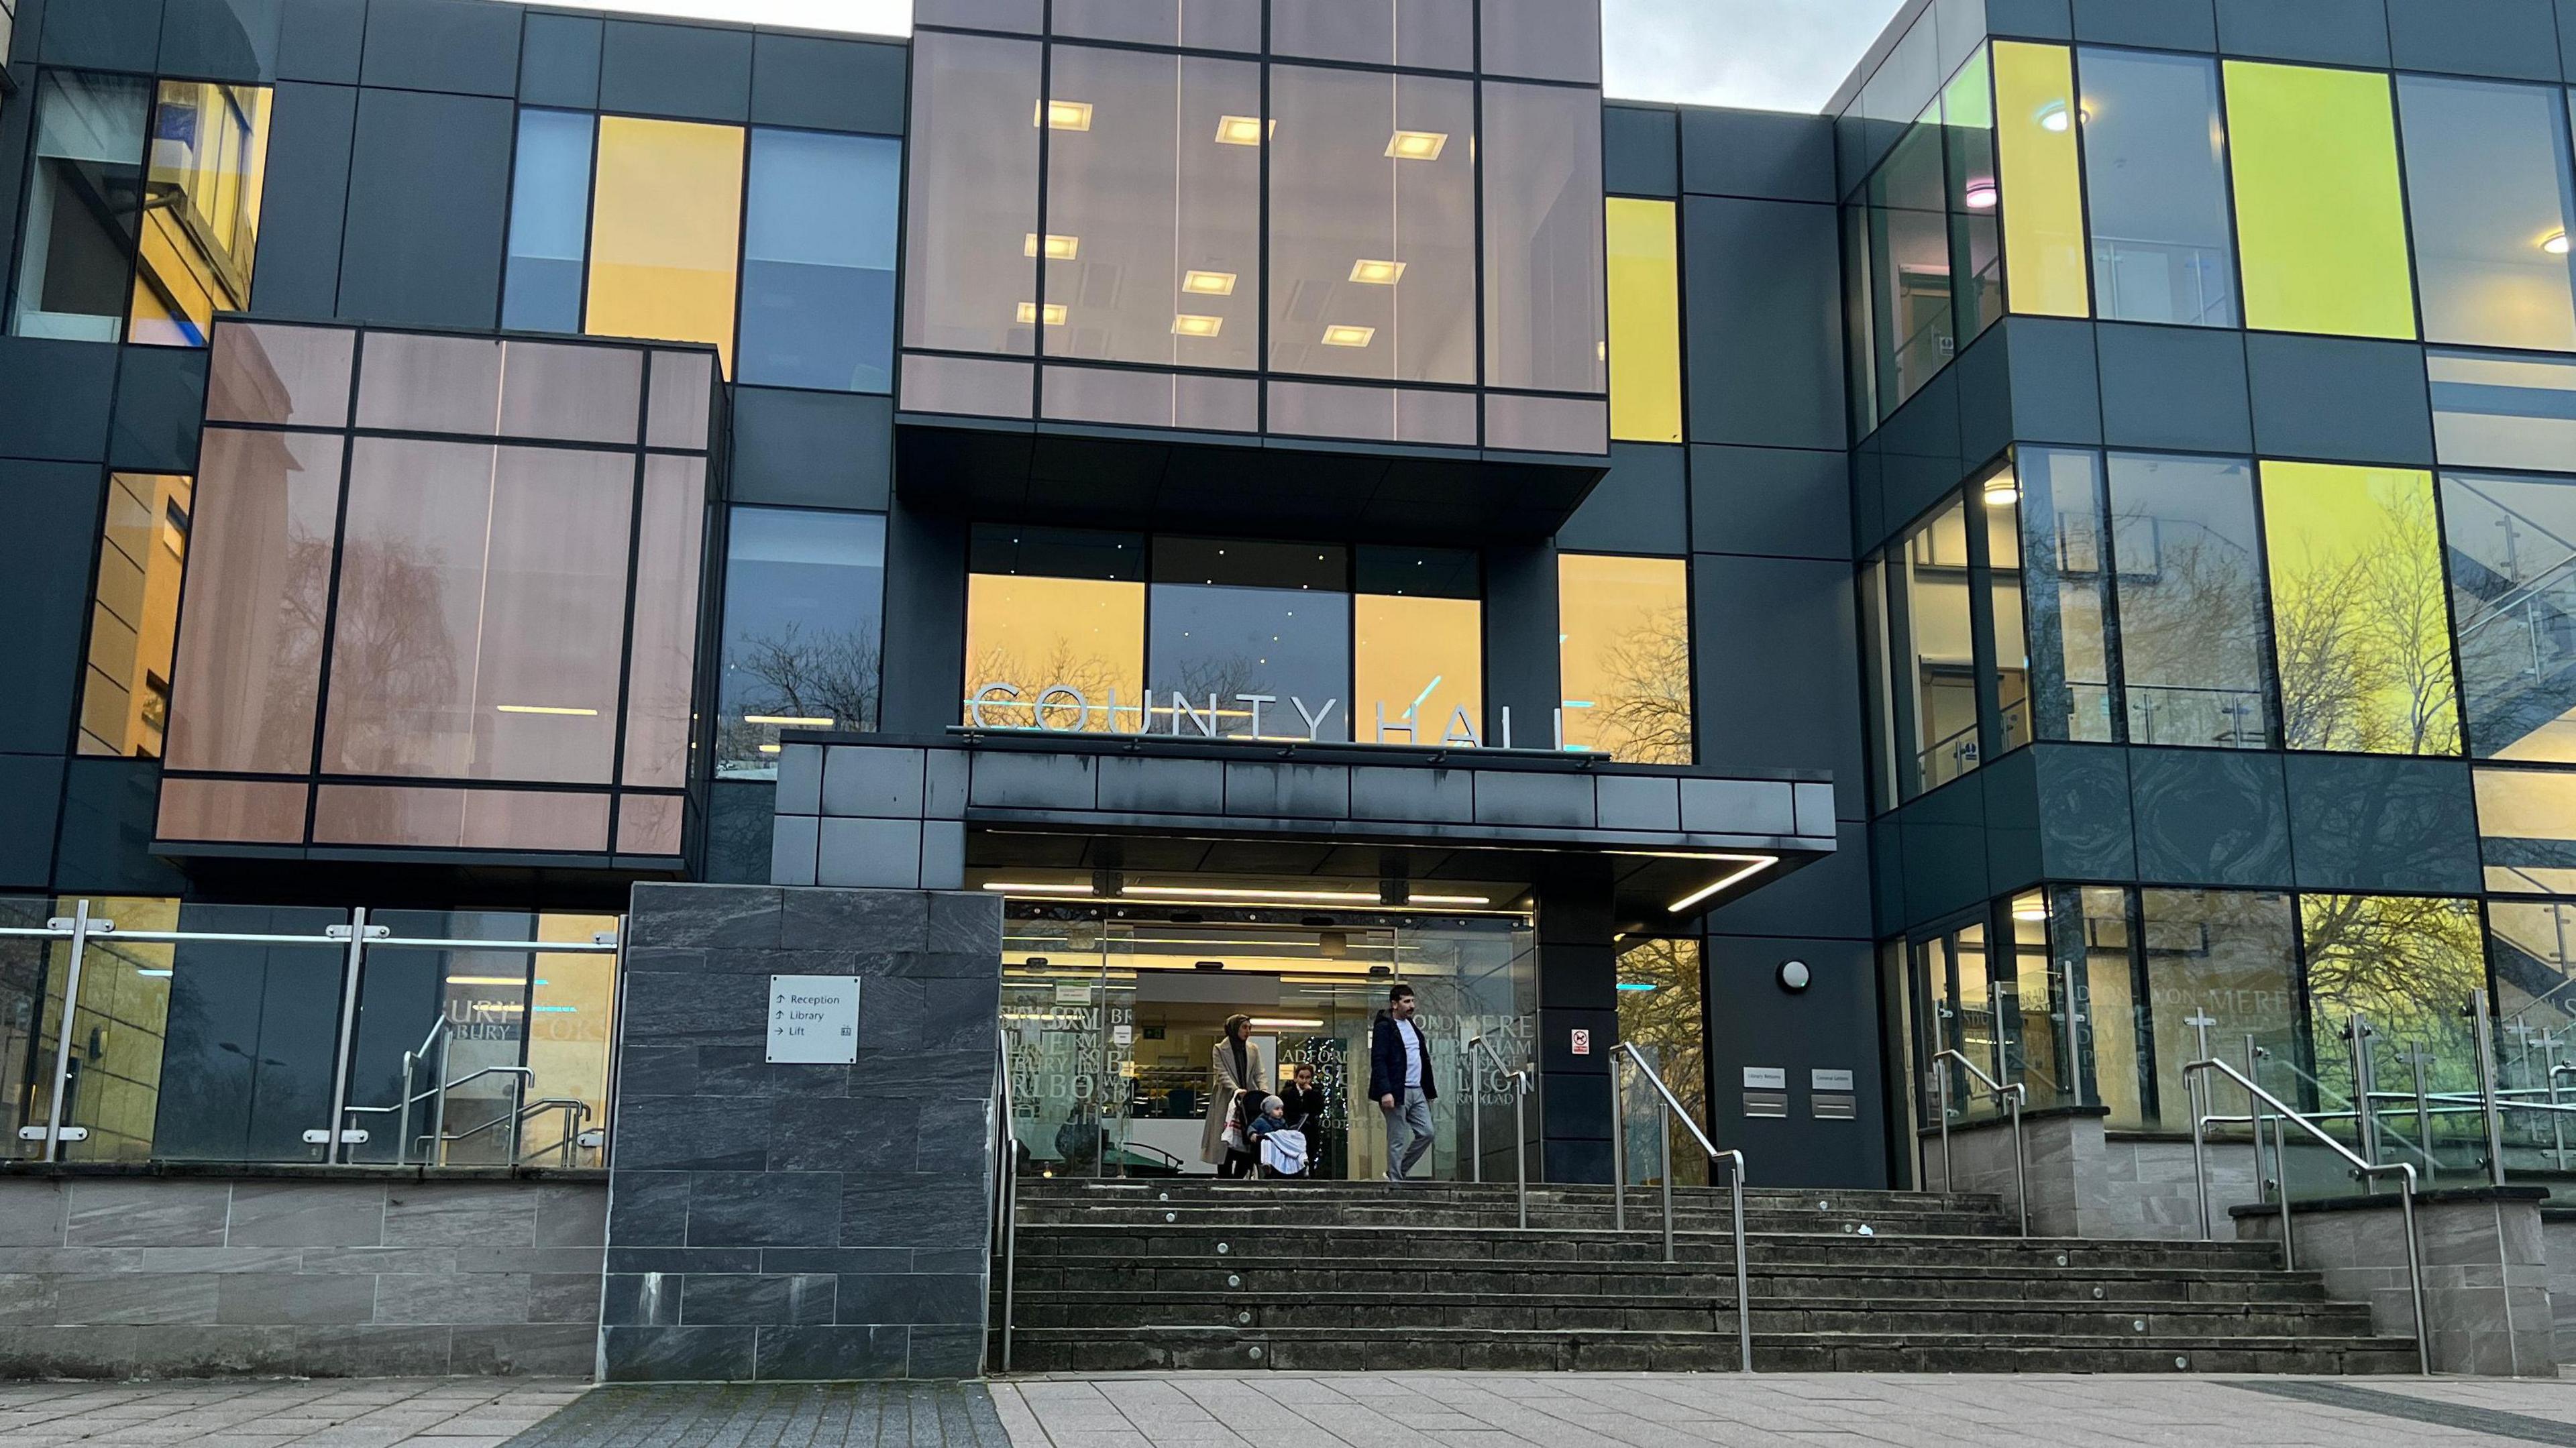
(2065, 558)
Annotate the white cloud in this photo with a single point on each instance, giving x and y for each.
(1772, 54)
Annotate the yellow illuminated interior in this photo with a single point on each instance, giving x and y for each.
(200, 236)
(2042, 181)
(1623, 628)
(572, 1002)
(2527, 819)
(666, 232)
(2320, 214)
(125, 694)
(1420, 661)
(1645, 322)
(2360, 609)
(1348, 336)
(1039, 633)
(1209, 283)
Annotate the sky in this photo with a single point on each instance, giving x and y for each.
(1772, 54)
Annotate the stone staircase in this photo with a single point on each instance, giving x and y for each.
(1195, 1274)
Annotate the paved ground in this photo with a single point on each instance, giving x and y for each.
(1358, 1410)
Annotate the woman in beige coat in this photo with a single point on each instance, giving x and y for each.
(1234, 1067)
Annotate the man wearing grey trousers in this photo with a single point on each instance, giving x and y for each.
(1400, 1082)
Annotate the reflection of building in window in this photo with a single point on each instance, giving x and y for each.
(1625, 652)
(207, 171)
(125, 693)
(116, 1030)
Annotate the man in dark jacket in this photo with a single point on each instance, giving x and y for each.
(1400, 1082)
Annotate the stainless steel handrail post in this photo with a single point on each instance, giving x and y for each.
(2420, 1059)
(1941, 1092)
(1618, 1150)
(2404, 1171)
(1006, 1192)
(2494, 1119)
(1735, 1159)
(1518, 1081)
(1520, 1147)
(63, 1033)
(2013, 1097)
(337, 1151)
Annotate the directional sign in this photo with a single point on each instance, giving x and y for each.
(813, 1020)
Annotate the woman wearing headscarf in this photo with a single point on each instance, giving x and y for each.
(1234, 1067)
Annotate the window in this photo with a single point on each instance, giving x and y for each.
(666, 232)
(803, 624)
(1373, 226)
(2225, 956)
(2527, 830)
(2319, 215)
(2489, 190)
(1662, 1013)
(1194, 24)
(84, 203)
(974, 197)
(1543, 39)
(1545, 325)
(1418, 647)
(2007, 632)
(1055, 622)
(206, 174)
(512, 603)
(125, 693)
(1257, 635)
(2043, 191)
(2502, 412)
(1154, 211)
(818, 261)
(1860, 372)
(2065, 588)
(1645, 322)
(1911, 299)
(1936, 692)
(2512, 545)
(1976, 244)
(1429, 34)
(2360, 623)
(2406, 965)
(2155, 177)
(549, 222)
(1624, 648)
(2187, 564)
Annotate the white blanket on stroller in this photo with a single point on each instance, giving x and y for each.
(1284, 1152)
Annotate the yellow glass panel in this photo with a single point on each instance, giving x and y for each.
(125, 693)
(1041, 634)
(571, 1007)
(2042, 182)
(1623, 638)
(2406, 965)
(2527, 823)
(1661, 1012)
(2360, 611)
(200, 230)
(1645, 322)
(1418, 662)
(666, 232)
(2320, 216)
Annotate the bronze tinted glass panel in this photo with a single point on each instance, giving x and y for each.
(1547, 325)
(570, 394)
(1373, 414)
(1152, 399)
(296, 376)
(661, 677)
(680, 400)
(481, 612)
(1195, 24)
(415, 383)
(1543, 39)
(966, 386)
(477, 819)
(1548, 424)
(232, 811)
(1373, 226)
(1430, 34)
(250, 654)
(648, 824)
(970, 284)
(1025, 16)
(1153, 245)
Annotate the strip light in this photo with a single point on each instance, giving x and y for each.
(791, 721)
(1758, 864)
(1209, 892)
(546, 709)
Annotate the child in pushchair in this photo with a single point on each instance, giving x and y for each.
(1280, 1147)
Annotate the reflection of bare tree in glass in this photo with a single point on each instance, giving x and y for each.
(1665, 1022)
(2408, 965)
(1201, 680)
(799, 673)
(2364, 638)
(2191, 626)
(294, 650)
(1094, 675)
(1645, 716)
(394, 663)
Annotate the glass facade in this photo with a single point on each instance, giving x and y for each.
(143, 548)
(1624, 649)
(2155, 166)
(2320, 210)
(2360, 621)
(1645, 321)
(803, 626)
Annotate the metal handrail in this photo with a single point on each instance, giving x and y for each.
(2289, 1254)
(1664, 1150)
(1520, 1082)
(1006, 1192)
(2013, 1095)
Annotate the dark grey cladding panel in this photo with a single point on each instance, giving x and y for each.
(692, 71)
(1642, 507)
(656, 1354)
(1547, 801)
(1832, 1025)
(1806, 652)
(31, 798)
(1983, 377)
(800, 779)
(2364, 822)
(108, 807)
(428, 207)
(1436, 796)
(1739, 807)
(879, 783)
(559, 65)
(311, 129)
(2055, 395)
(2566, 35)
(827, 85)
(103, 34)
(54, 400)
(221, 39)
(318, 40)
(1763, 287)
(1640, 151)
(2031, 19)
(795, 850)
(868, 854)
(49, 516)
(2161, 24)
(160, 398)
(2011, 790)
(1943, 837)
(1162, 786)
(1776, 502)
(2341, 399)
(2328, 32)
(765, 1208)
(1293, 791)
(712, 916)
(462, 47)
(2082, 794)
(811, 449)
(2210, 817)
(2516, 38)
(2176, 388)
(1759, 155)
(1638, 802)
(1033, 781)
(1828, 898)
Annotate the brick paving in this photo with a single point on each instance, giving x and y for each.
(299, 1413)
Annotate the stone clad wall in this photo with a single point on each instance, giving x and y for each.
(802, 1221)
(124, 1276)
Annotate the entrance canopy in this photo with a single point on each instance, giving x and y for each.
(1067, 816)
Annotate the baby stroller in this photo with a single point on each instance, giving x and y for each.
(1278, 1150)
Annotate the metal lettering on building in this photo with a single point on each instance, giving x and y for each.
(813, 1020)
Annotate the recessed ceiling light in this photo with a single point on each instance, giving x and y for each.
(1063, 115)
(2002, 491)
(2054, 117)
(1055, 314)
(1241, 130)
(2555, 243)
(1338, 336)
(1186, 325)
(1208, 283)
(1377, 273)
(1982, 195)
(1058, 248)
(1417, 145)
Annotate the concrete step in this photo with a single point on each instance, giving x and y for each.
(1088, 1349)
(1552, 1217)
(1205, 1190)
